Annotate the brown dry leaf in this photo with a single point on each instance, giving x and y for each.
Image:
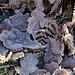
(68, 39)
(51, 67)
(62, 71)
(17, 55)
(57, 2)
(4, 58)
(28, 64)
(37, 20)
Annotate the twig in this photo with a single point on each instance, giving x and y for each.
(5, 8)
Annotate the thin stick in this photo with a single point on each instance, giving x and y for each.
(5, 8)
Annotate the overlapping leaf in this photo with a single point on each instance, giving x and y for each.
(6, 25)
(37, 20)
(54, 51)
(51, 67)
(3, 50)
(16, 40)
(19, 21)
(28, 65)
(68, 62)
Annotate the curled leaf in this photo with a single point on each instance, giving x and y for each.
(17, 55)
(62, 71)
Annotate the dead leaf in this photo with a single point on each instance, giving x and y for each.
(49, 30)
(4, 58)
(51, 67)
(40, 72)
(56, 46)
(5, 25)
(49, 56)
(52, 1)
(3, 50)
(15, 4)
(62, 71)
(57, 2)
(19, 21)
(68, 62)
(37, 20)
(68, 39)
(17, 55)
(16, 40)
(28, 64)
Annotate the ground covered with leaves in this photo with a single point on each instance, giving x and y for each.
(37, 37)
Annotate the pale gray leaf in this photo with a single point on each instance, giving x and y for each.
(51, 67)
(6, 25)
(28, 64)
(36, 21)
(68, 62)
(50, 56)
(19, 21)
(3, 50)
(16, 40)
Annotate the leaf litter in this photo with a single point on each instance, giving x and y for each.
(37, 36)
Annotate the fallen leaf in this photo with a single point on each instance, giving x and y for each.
(28, 64)
(19, 21)
(37, 20)
(51, 67)
(49, 56)
(17, 55)
(16, 40)
(40, 72)
(68, 62)
(5, 25)
(57, 2)
(3, 50)
(62, 71)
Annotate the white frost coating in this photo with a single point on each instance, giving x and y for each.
(28, 64)
(16, 40)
